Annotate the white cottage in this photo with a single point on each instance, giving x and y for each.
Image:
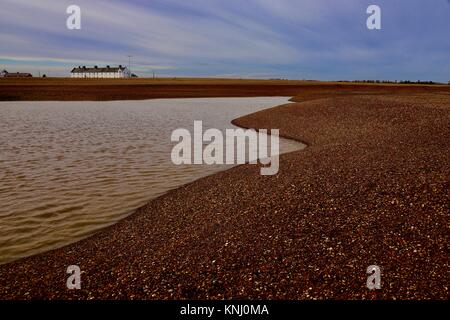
(96, 72)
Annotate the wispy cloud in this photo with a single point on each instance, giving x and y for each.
(285, 38)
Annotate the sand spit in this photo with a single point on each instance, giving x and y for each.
(371, 188)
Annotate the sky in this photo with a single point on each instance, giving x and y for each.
(293, 39)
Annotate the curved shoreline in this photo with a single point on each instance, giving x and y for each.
(131, 212)
(237, 123)
(312, 240)
(133, 184)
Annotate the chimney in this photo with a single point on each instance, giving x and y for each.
(95, 67)
(107, 67)
(120, 66)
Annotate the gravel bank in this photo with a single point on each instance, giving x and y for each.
(371, 188)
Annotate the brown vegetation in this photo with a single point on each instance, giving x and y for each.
(67, 89)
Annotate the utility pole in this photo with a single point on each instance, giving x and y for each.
(129, 63)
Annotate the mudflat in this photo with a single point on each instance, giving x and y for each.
(371, 188)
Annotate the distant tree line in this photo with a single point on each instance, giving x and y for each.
(393, 81)
(377, 81)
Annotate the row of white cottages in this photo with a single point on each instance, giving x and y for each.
(96, 72)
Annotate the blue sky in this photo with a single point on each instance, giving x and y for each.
(296, 39)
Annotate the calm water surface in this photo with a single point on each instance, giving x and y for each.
(68, 169)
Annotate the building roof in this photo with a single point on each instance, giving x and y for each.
(97, 69)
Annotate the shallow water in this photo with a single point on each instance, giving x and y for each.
(68, 169)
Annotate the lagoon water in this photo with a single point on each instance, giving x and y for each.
(68, 169)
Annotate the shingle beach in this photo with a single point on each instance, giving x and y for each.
(371, 188)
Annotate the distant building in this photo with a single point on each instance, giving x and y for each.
(96, 72)
(6, 74)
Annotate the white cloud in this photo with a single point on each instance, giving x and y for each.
(222, 36)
